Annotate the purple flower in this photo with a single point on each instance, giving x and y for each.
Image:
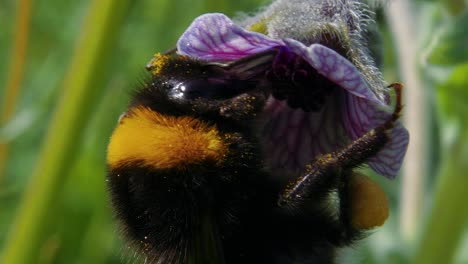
(346, 110)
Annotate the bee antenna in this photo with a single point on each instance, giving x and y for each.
(170, 51)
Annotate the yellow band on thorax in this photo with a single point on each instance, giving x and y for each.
(162, 141)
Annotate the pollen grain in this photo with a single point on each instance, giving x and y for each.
(157, 63)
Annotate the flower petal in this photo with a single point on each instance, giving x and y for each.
(360, 116)
(294, 137)
(216, 37)
(335, 67)
(388, 161)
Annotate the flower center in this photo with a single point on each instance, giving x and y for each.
(293, 79)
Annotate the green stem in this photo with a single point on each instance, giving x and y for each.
(59, 148)
(401, 17)
(447, 221)
(15, 74)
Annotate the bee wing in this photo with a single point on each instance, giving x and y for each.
(247, 67)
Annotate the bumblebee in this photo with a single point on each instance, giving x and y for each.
(190, 179)
(245, 143)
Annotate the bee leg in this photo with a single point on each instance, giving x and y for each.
(324, 172)
(244, 107)
(332, 171)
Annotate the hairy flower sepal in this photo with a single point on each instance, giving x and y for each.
(294, 136)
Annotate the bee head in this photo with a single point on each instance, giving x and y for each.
(183, 86)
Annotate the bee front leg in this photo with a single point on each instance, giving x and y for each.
(325, 171)
(333, 171)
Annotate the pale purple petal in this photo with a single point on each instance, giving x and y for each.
(335, 67)
(360, 116)
(388, 161)
(294, 137)
(216, 37)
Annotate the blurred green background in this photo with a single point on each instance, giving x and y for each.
(68, 68)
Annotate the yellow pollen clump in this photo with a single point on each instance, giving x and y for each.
(368, 202)
(157, 63)
(260, 27)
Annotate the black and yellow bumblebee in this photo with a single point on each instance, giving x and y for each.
(189, 181)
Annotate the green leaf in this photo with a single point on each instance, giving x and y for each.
(453, 95)
(451, 42)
